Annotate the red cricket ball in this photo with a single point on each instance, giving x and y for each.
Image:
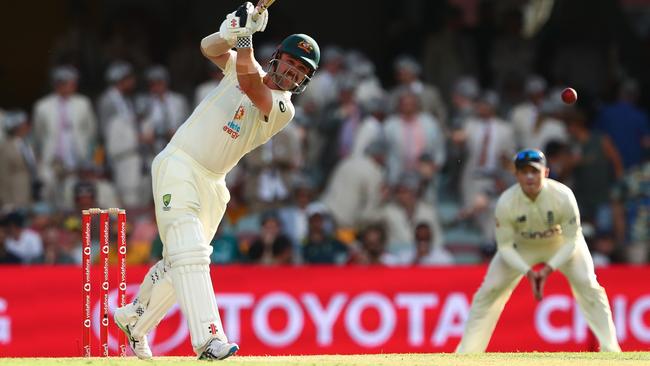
(569, 96)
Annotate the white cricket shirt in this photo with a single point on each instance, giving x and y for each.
(226, 124)
(550, 222)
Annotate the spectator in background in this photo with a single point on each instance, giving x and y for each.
(85, 196)
(464, 94)
(119, 131)
(371, 128)
(410, 134)
(362, 71)
(64, 131)
(355, 187)
(626, 125)
(215, 75)
(63, 244)
(631, 208)
(294, 217)
(428, 172)
(122, 134)
(534, 121)
(597, 165)
(488, 142)
(338, 127)
(560, 161)
(162, 110)
(407, 74)
(116, 101)
(6, 257)
(272, 246)
(321, 247)
(22, 242)
(425, 253)
(603, 248)
(489, 146)
(371, 248)
(404, 213)
(18, 176)
(106, 195)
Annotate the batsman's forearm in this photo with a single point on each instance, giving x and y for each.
(248, 75)
(214, 45)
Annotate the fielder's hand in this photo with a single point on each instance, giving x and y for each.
(241, 24)
(533, 278)
(542, 276)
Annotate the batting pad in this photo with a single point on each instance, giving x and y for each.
(189, 256)
(196, 298)
(158, 296)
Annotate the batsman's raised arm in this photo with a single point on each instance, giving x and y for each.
(240, 23)
(216, 47)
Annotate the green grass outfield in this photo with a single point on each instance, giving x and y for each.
(438, 359)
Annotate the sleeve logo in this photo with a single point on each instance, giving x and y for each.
(167, 199)
(283, 108)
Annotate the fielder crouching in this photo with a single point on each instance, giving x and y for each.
(537, 221)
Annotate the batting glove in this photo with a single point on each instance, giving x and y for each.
(241, 23)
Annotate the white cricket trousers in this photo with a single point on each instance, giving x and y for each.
(194, 191)
(501, 279)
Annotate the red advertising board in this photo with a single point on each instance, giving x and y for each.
(321, 310)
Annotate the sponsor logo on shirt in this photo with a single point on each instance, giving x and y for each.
(239, 114)
(521, 218)
(232, 129)
(554, 231)
(550, 218)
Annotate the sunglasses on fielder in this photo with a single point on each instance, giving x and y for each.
(530, 157)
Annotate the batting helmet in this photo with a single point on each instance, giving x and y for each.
(303, 48)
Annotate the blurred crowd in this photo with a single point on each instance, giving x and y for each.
(396, 172)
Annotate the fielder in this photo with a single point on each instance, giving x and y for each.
(242, 112)
(537, 221)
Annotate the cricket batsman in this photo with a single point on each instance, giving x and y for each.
(537, 221)
(244, 111)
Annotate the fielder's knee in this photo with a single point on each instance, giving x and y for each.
(185, 243)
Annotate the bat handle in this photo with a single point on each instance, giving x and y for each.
(258, 12)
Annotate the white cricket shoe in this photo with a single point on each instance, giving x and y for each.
(218, 350)
(123, 317)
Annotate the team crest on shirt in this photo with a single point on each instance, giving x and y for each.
(167, 199)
